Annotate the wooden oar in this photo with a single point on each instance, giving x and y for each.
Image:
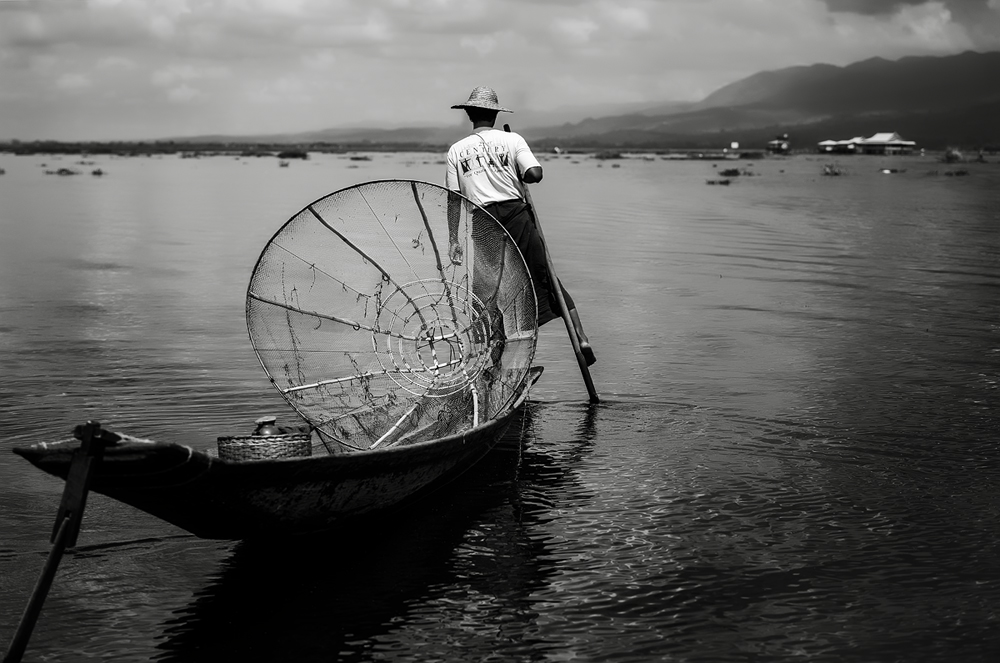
(66, 529)
(556, 284)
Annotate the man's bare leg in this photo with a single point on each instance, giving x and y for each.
(588, 352)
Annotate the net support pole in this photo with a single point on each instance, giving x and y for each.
(574, 339)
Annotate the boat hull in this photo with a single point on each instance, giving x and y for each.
(222, 499)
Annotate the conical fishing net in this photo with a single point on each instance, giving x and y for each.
(371, 331)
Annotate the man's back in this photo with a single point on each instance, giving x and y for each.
(486, 165)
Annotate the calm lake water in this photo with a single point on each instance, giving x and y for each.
(796, 455)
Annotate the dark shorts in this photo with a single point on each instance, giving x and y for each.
(519, 220)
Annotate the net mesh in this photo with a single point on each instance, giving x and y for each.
(373, 334)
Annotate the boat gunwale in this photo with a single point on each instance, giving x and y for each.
(134, 444)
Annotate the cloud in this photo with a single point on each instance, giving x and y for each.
(322, 59)
(481, 44)
(930, 22)
(183, 94)
(116, 62)
(889, 7)
(72, 82)
(629, 18)
(176, 73)
(978, 19)
(575, 30)
(288, 65)
(282, 91)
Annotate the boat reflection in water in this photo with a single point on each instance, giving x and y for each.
(467, 551)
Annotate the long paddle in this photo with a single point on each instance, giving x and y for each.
(557, 286)
(66, 529)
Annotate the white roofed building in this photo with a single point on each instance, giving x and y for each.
(880, 143)
(886, 143)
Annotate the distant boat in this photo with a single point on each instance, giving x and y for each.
(283, 164)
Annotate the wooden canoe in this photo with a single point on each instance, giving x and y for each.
(216, 498)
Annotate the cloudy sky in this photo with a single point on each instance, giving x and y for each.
(128, 69)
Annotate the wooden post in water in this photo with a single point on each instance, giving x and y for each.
(65, 530)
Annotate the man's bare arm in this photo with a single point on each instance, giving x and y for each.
(454, 214)
(532, 175)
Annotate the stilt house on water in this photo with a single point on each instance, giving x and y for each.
(880, 143)
(779, 145)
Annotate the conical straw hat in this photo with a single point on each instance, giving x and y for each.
(483, 97)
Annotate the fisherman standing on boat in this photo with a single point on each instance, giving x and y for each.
(490, 167)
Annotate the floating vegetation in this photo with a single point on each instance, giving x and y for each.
(736, 172)
(951, 155)
(62, 171)
(956, 173)
(97, 171)
(722, 182)
(360, 157)
(608, 155)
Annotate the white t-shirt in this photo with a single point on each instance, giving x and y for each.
(484, 166)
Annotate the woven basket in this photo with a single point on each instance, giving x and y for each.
(264, 447)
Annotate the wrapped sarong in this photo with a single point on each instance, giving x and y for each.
(519, 220)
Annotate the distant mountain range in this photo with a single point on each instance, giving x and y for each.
(935, 101)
